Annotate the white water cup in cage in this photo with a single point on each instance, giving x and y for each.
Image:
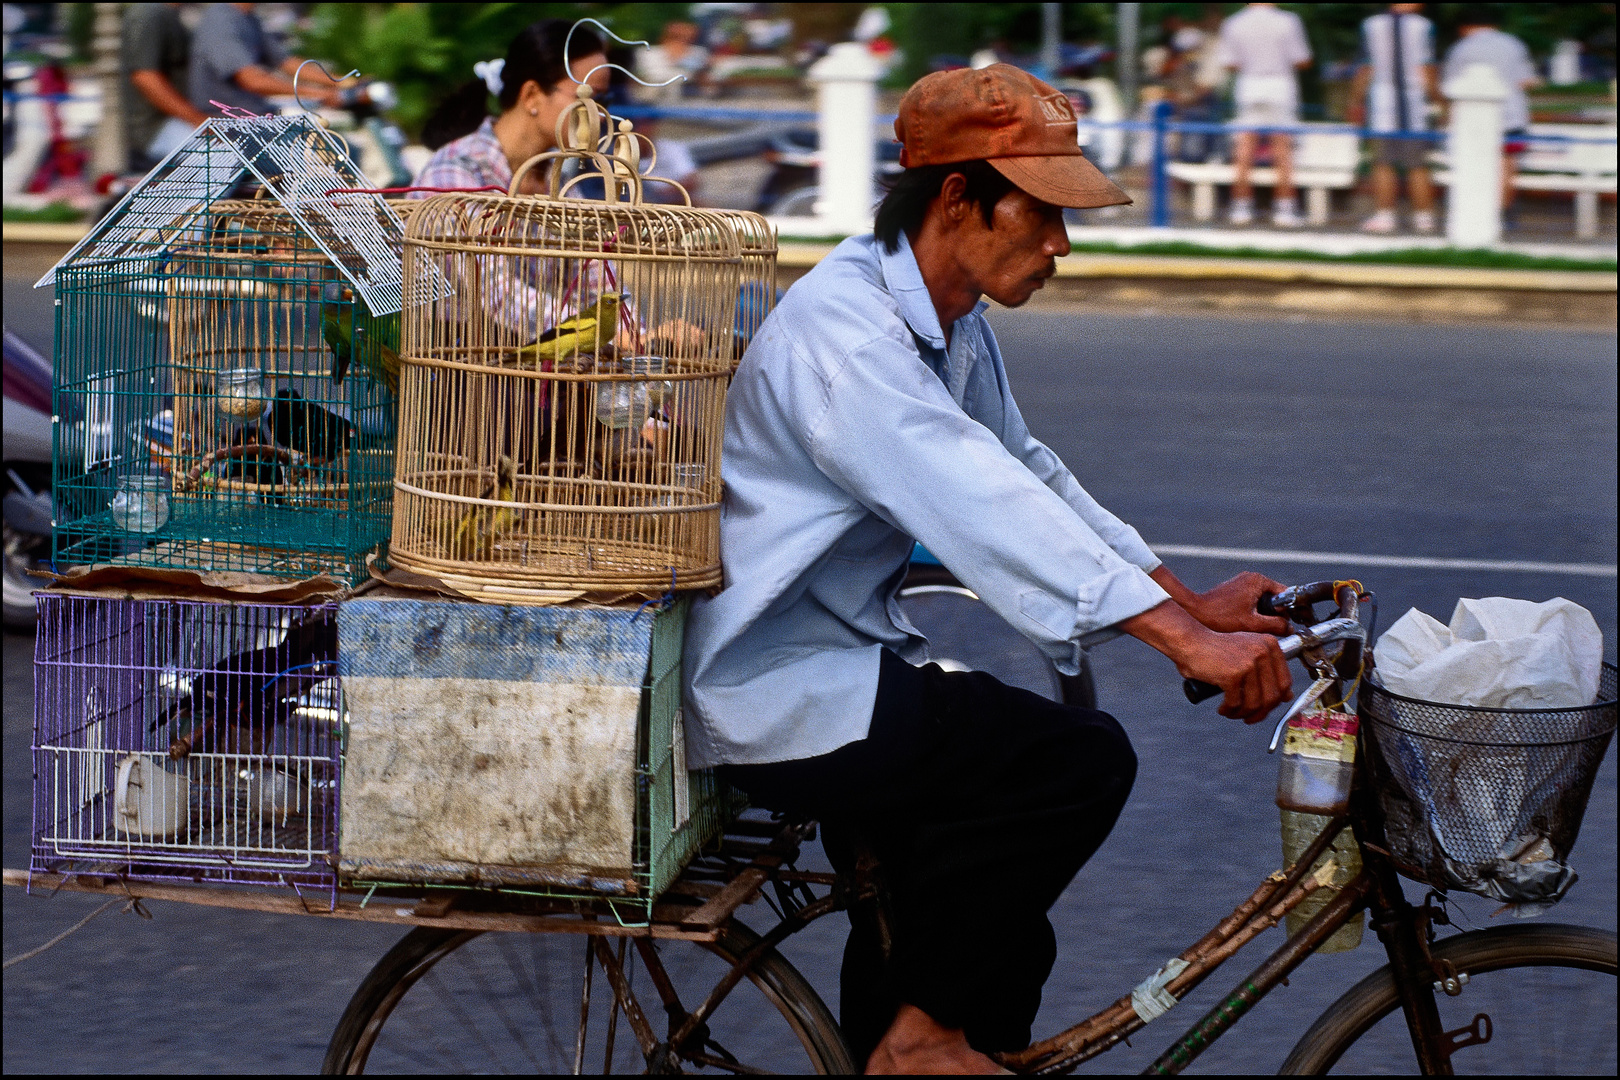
(687, 478)
(148, 799)
(623, 404)
(141, 503)
(273, 793)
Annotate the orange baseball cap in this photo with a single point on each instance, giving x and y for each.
(1008, 117)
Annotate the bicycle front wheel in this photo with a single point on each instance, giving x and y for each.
(457, 1001)
(1546, 992)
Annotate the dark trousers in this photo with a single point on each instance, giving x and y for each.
(981, 802)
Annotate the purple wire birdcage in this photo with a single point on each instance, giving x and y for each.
(186, 740)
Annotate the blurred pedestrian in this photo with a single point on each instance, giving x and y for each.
(1393, 86)
(676, 54)
(1191, 82)
(1483, 42)
(237, 63)
(1266, 47)
(672, 161)
(153, 57)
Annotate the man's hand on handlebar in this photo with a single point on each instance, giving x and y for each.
(1230, 607)
(1248, 667)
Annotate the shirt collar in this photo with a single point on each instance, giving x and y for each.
(905, 282)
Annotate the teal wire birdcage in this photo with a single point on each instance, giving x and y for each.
(225, 368)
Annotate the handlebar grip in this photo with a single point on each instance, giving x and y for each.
(1196, 689)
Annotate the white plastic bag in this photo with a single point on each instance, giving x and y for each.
(1498, 652)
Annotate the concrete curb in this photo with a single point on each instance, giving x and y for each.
(44, 232)
(799, 256)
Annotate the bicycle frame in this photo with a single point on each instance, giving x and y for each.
(1403, 929)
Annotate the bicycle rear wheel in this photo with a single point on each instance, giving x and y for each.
(454, 1001)
(965, 635)
(1548, 991)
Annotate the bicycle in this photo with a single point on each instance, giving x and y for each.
(732, 1002)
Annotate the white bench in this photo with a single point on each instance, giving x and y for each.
(1585, 169)
(1323, 161)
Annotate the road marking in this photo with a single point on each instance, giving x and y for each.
(1418, 562)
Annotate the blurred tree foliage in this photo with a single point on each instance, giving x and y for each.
(427, 51)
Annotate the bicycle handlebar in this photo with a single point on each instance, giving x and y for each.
(1292, 602)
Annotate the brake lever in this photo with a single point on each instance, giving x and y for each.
(1301, 703)
(1340, 629)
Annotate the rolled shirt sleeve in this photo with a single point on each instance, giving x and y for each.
(888, 433)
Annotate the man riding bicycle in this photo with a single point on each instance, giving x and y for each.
(873, 410)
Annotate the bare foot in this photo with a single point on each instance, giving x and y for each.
(916, 1045)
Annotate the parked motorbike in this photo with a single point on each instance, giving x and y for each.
(28, 509)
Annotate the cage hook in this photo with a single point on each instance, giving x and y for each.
(328, 74)
(622, 41)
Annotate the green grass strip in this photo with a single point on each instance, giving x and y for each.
(1469, 258)
(52, 213)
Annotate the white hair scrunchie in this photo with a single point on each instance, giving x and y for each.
(490, 72)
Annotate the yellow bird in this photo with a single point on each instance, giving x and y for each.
(503, 517)
(588, 332)
(470, 540)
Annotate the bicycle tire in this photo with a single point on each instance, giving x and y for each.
(1478, 952)
(420, 950)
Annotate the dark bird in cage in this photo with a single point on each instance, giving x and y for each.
(235, 706)
(313, 430)
(353, 333)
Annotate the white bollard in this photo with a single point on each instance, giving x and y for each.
(846, 106)
(1474, 144)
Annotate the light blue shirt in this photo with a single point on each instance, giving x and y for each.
(850, 430)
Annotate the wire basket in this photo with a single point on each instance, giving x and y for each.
(565, 367)
(181, 740)
(1485, 800)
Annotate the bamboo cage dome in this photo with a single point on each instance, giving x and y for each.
(564, 369)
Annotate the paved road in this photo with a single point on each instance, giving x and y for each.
(1439, 441)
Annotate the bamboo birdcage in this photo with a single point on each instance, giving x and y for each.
(565, 363)
(200, 337)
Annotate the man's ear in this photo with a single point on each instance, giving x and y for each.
(953, 203)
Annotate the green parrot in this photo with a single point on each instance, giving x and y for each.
(379, 337)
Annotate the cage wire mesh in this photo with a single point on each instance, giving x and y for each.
(562, 403)
(186, 740)
(226, 368)
(1486, 800)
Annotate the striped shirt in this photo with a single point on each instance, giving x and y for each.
(543, 292)
(1397, 93)
(472, 161)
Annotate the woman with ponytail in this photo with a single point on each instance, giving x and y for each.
(534, 84)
